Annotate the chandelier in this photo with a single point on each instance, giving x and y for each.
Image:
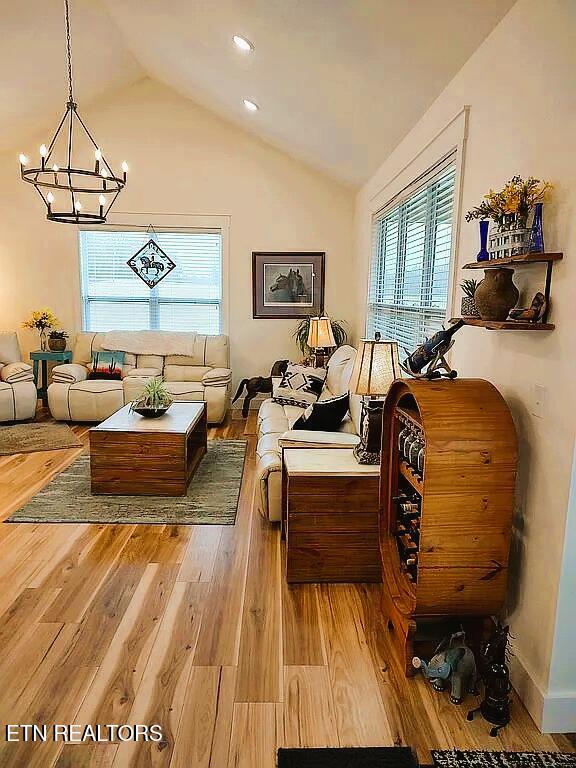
(68, 189)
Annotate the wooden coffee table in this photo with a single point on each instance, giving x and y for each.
(135, 456)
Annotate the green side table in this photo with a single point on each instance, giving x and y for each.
(44, 358)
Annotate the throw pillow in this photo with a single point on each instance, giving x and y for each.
(325, 415)
(300, 386)
(106, 365)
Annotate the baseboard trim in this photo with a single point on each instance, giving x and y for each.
(552, 712)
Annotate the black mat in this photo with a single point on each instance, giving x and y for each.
(370, 757)
(476, 759)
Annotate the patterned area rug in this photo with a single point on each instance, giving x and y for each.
(460, 759)
(27, 438)
(212, 496)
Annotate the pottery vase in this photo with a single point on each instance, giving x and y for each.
(496, 295)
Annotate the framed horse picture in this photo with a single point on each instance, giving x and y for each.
(287, 285)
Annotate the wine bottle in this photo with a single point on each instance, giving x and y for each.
(426, 352)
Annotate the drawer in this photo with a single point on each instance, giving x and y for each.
(338, 522)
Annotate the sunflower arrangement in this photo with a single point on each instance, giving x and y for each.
(513, 202)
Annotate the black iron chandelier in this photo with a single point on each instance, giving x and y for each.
(74, 186)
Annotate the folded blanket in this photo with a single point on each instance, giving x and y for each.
(15, 372)
(151, 342)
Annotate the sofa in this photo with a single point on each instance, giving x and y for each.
(275, 432)
(202, 373)
(18, 394)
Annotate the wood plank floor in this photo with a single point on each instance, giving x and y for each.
(195, 628)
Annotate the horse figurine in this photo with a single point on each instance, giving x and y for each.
(259, 384)
(291, 286)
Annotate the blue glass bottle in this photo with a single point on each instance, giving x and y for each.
(483, 254)
(536, 244)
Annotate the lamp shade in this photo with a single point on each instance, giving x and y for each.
(320, 333)
(375, 368)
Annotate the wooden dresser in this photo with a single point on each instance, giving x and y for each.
(446, 513)
(330, 521)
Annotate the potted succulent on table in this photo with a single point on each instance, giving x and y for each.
(468, 307)
(57, 341)
(154, 400)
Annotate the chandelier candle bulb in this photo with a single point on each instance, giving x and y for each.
(102, 201)
(124, 169)
(43, 153)
(98, 156)
(23, 160)
(78, 205)
(50, 198)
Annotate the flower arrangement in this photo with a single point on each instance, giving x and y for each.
(42, 320)
(513, 202)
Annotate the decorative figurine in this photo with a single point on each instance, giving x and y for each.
(456, 662)
(534, 313)
(259, 384)
(428, 360)
(495, 706)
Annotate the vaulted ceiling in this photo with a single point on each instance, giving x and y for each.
(338, 82)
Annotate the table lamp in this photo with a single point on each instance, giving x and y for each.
(375, 368)
(320, 338)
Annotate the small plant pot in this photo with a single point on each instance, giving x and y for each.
(57, 345)
(151, 413)
(468, 307)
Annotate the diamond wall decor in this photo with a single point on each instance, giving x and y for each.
(151, 264)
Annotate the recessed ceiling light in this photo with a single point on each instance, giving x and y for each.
(251, 106)
(243, 44)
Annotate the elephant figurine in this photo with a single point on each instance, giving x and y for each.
(456, 663)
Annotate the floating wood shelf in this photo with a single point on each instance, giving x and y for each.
(518, 260)
(505, 325)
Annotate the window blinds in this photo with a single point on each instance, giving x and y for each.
(188, 299)
(410, 267)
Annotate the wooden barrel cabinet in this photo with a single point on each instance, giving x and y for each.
(446, 511)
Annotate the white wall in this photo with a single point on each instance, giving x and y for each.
(183, 160)
(522, 119)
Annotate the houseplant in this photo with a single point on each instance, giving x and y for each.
(300, 334)
(154, 400)
(57, 340)
(42, 320)
(468, 307)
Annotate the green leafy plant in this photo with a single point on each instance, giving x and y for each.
(300, 334)
(154, 396)
(58, 335)
(469, 287)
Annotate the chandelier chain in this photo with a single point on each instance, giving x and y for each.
(69, 52)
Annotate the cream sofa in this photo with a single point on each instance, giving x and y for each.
(275, 433)
(17, 388)
(203, 374)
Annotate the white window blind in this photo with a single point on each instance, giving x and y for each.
(410, 268)
(188, 299)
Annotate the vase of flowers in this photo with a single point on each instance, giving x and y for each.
(509, 209)
(42, 320)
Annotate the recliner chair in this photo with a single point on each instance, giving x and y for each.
(18, 394)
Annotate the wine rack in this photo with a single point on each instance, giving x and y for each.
(446, 500)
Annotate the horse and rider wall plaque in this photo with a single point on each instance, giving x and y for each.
(151, 264)
(287, 285)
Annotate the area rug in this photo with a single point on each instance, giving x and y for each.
(365, 757)
(212, 496)
(27, 438)
(465, 759)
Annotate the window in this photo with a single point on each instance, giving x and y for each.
(410, 269)
(113, 297)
